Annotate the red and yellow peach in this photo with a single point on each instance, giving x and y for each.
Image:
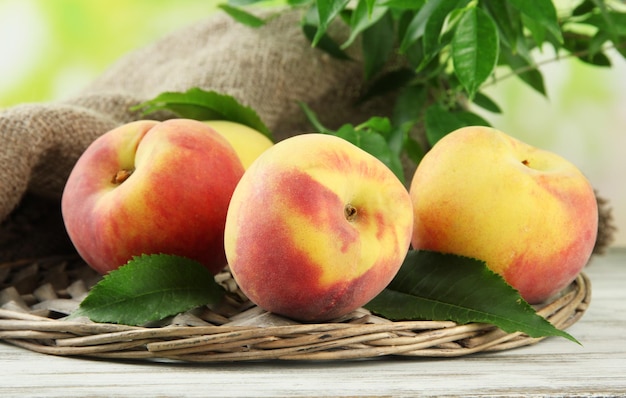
(316, 228)
(152, 187)
(528, 213)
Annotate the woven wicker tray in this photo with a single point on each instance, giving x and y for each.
(35, 296)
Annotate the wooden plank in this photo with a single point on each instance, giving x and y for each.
(553, 367)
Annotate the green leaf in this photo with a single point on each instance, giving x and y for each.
(432, 37)
(613, 21)
(541, 11)
(414, 150)
(362, 18)
(471, 119)
(598, 59)
(199, 104)
(310, 114)
(417, 26)
(440, 287)
(475, 49)
(326, 43)
(149, 288)
(403, 4)
(596, 43)
(374, 143)
(409, 106)
(589, 49)
(371, 4)
(327, 11)
(524, 69)
(586, 7)
(486, 103)
(396, 139)
(611, 24)
(242, 16)
(381, 125)
(537, 30)
(508, 21)
(377, 45)
(439, 122)
(310, 27)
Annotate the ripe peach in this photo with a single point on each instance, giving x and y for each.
(316, 228)
(529, 214)
(148, 187)
(246, 141)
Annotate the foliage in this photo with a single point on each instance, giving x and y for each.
(429, 286)
(199, 104)
(149, 288)
(439, 286)
(451, 49)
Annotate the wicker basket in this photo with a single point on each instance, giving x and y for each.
(35, 296)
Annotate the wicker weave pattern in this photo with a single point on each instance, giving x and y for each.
(35, 296)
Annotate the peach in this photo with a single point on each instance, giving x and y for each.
(152, 187)
(246, 141)
(316, 228)
(528, 213)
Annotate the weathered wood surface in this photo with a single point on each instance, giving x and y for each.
(553, 367)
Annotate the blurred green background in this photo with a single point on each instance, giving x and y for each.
(50, 49)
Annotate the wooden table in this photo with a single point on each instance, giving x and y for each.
(553, 367)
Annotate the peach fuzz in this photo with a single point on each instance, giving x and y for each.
(528, 213)
(152, 187)
(316, 228)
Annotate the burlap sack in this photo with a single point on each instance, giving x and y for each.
(268, 69)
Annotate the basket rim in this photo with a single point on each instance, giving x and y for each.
(360, 339)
